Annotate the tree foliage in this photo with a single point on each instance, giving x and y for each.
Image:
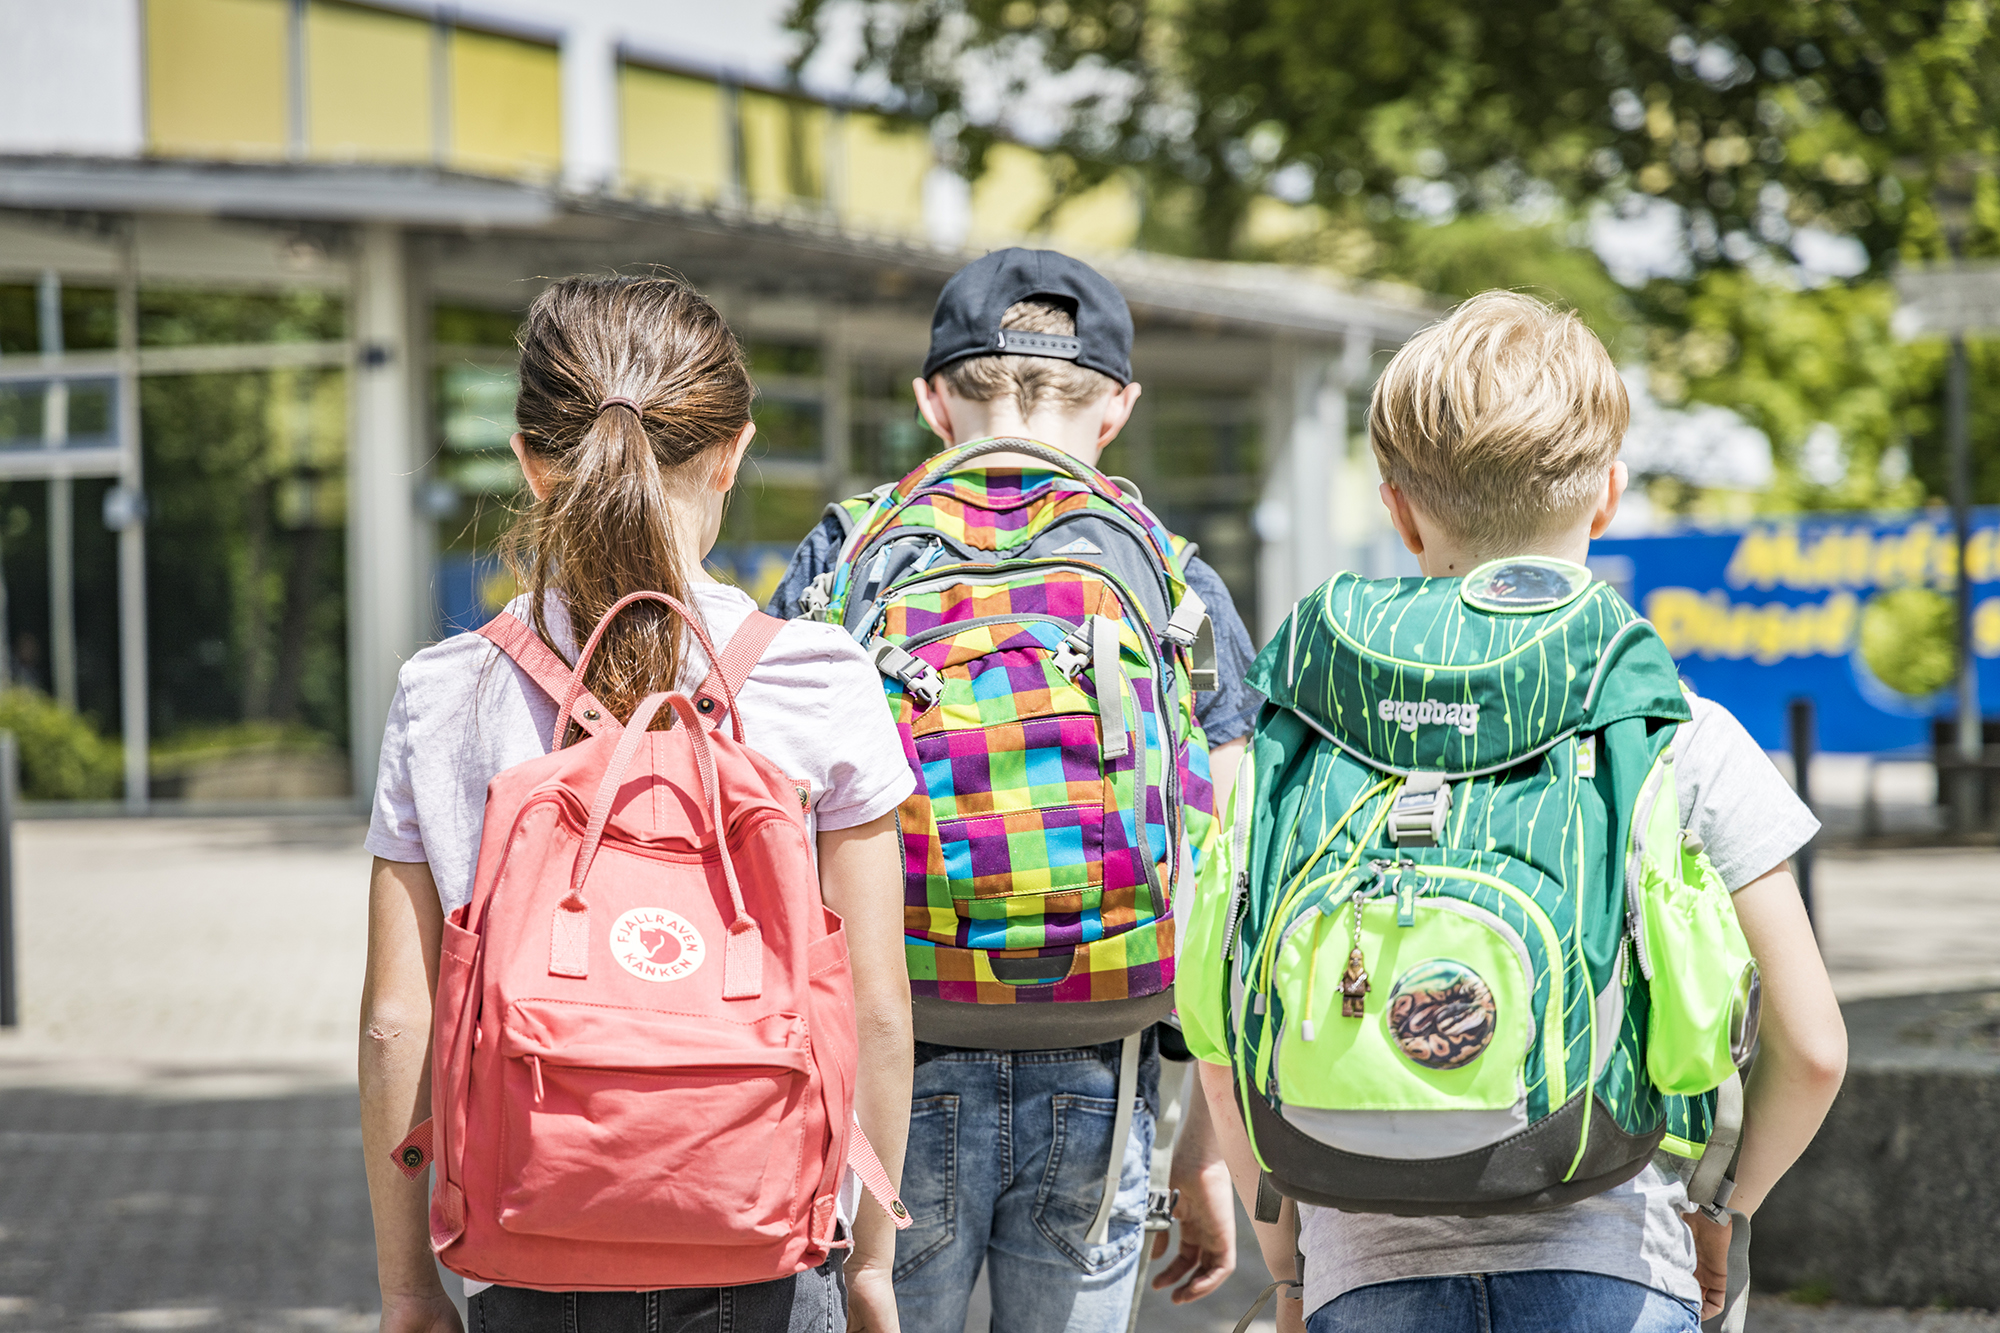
(1756, 117)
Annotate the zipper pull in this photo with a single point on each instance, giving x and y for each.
(1406, 900)
(535, 1068)
(1307, 1031)
(1354, 981)
(1257, 1003)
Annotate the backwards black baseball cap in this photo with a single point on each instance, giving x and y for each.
(966, 322)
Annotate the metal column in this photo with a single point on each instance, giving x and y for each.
(385, 591)
(1968, 788)
(133, 702)
(62, 502)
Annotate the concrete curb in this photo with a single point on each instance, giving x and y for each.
(1897, 1202)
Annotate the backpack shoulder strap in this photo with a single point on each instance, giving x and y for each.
(737, 659)
(518, 640)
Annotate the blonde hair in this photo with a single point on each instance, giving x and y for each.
(1500, 421)
(1031, 381)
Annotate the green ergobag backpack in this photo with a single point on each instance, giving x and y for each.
(1460, 955)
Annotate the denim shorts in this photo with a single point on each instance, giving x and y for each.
(1006, 1166)
(1531, 1301)
(811, 1302)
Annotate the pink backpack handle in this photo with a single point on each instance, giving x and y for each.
(569, 936)
(575, 690)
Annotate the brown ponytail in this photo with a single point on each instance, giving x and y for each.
(606, 526)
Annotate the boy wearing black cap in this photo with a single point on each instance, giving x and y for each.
(1036, 345)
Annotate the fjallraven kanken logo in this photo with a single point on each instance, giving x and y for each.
(1456, 947)
(654, 944)
(1036, 637)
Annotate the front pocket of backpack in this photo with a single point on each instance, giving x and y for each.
(1020, 806)
(1445, 1024)
(701, 1148)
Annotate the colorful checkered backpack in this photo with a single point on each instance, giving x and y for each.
(1036, 636)
(1458, 949)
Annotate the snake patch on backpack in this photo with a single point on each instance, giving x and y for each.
(1441, 1014)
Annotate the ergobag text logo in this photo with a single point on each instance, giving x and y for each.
(1409, 714)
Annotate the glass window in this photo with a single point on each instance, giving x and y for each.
(768, 359)
(170, 317)
(29, 408)
(889, 438)
(89, 319)
(246, 556)
(20, 320)
(216, 76)
(476, 480)
(467, 326)
(787, 427)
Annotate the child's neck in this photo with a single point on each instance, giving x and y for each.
(1073, 433)
(1443, 558)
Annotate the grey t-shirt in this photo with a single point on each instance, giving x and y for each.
(1746, 814)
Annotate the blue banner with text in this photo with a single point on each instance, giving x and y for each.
(1855, 611)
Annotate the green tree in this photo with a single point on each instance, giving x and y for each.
(1755, 116)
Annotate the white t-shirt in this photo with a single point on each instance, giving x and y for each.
(463, 712)
(1750, 821)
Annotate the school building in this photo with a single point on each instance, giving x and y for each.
(261, 262)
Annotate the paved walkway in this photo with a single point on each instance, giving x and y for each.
(177, 1140)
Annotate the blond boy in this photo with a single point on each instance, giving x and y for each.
(1497, 430)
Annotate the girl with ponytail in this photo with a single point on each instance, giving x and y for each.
(634, 415)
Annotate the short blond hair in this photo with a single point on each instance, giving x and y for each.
(1031, 381)
(1500, 420)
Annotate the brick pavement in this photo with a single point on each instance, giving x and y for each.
(177, 1140)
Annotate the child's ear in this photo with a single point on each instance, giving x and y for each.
(532, 467)
(1117, 411)
(931, 406)
(1403, 518)
(1615, 483)
(724, 479)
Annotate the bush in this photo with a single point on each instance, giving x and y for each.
(1909, 639)
(62, 756)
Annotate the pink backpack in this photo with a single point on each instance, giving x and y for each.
(643, 1045)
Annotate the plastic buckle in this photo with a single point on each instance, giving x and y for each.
(919, 679)
(1417, 817)
(1160, 1205)
(1071, 657)
(818, 595)
(924, 685)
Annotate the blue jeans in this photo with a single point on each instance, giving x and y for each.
(1006, 1166)
(1533, 1301)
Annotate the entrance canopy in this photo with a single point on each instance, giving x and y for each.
(334, 342)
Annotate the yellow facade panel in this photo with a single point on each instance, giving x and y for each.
(1104, 217)
(784, 150)
(883, 166)
(368, 84)
(676, 140)
(216, 77)
(506, 105)
(1010, 196)
(1010, 199)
